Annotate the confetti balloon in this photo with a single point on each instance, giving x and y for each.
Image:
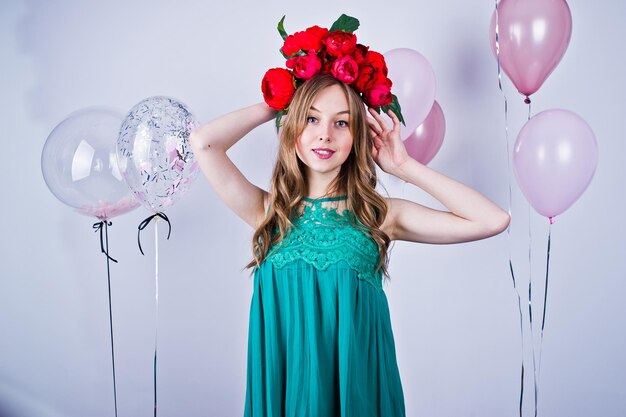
(79, 164)
(154, 153)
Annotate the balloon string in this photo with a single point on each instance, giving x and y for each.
(99, 226)
(506, 131)
(104, 225)
(142, 226)
(156, 296)
(147, 221)
(530, 308)
(545, 295)
(519, 308)
(545, 298)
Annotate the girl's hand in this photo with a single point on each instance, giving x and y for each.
(388, 150)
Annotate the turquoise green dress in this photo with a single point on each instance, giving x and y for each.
(320, 342)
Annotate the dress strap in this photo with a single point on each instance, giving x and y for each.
(325, 199)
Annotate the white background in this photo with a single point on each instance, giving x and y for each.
(454, 310)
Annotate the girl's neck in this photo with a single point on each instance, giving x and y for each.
(319, 185)
(322, 189)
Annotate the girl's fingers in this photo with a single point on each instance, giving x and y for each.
(376, 116)
(378, 119)
(394, 118)
(373, 124)
(374, 129)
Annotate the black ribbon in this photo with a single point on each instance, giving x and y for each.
(100, 226)
(145, 224)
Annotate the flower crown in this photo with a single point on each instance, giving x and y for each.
(332, 51)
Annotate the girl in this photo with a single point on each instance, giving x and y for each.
(320, 339)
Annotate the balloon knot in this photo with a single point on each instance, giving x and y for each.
(527, 100)
(551, 220)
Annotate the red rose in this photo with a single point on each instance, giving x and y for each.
(291, 45)
(278, 88)
(340, 43)
(359, 53)
(376, 60)
(379, 95)
(327, 62)
(305, 67)
(311, 38)
(345, 69)
(372, 71)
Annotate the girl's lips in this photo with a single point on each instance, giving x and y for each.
(323, 153)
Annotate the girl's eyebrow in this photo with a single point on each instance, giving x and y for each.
(340, 112)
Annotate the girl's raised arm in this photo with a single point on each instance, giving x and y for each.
(471, 215)
(210, 143)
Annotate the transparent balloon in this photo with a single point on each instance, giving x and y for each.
(154, 153)
(79, 164)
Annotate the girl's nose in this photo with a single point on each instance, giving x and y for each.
(325, 134)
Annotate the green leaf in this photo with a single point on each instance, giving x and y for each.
(395, 102)
(346, 23)
(281, 28)
(298, 82)
(395, 107)
(279, 117)
(299, 53)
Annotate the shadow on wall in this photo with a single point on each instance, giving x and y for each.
(473, 150)
(14, 403)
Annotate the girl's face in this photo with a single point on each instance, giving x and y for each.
(326, 141)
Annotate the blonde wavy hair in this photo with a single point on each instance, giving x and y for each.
(357, 176)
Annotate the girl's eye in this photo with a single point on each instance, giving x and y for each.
(342, 123)
(311, 119)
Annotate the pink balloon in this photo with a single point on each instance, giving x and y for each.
(426, 140)
(533, 36)
(413, 83)
(554, 159)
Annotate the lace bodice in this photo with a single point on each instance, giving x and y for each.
(321, 236)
